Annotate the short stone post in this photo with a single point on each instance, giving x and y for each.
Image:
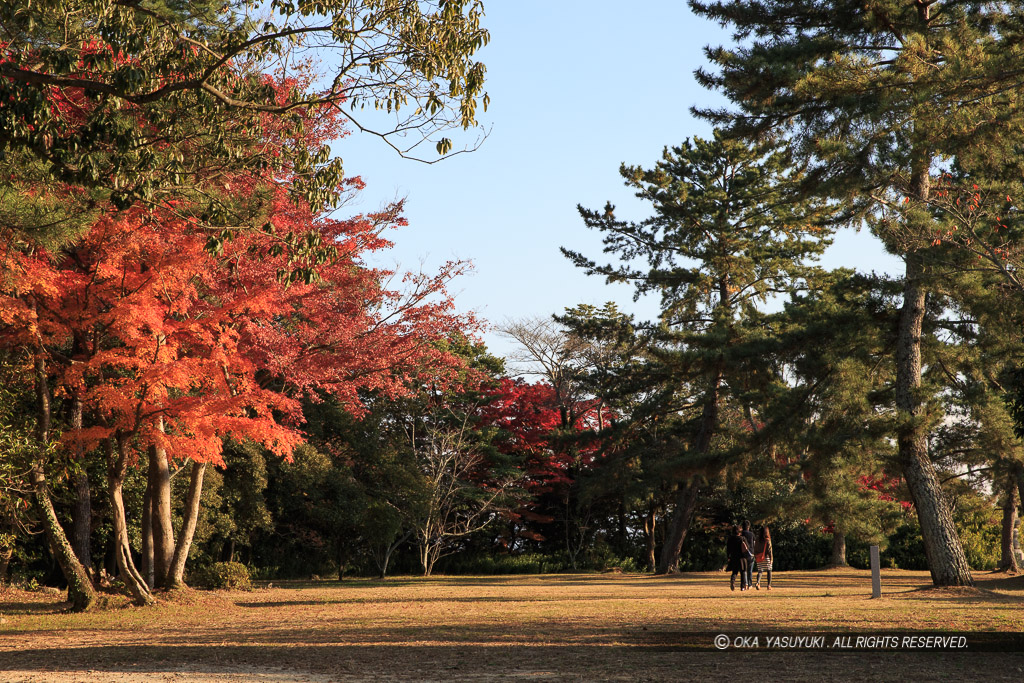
(876, 573)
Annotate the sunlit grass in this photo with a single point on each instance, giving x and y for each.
(590, 618)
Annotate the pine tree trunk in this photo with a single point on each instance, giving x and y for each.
(176, 575)
(686, 499)
(650, 522)
(159, 481)
(1008, 561)
(623, 533)
(838, 549)
(117, 468)
(1018, 477)
(81, 593)
(946, 559)
(685, 504)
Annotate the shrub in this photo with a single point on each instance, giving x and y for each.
(218, 575)
(980, 534)
(906, 548)
(525, 563)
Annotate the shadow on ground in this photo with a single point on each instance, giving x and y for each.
(356, 663)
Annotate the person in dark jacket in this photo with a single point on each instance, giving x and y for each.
(748, 536)
(736, 550)
(763, 553)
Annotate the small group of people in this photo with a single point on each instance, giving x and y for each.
(745, 552)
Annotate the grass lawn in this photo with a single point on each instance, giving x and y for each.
(551, 627)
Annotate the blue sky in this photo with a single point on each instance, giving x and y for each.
(576, 89)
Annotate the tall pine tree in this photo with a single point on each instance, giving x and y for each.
(727, 233)
(878, 96)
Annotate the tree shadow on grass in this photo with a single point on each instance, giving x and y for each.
(13, 607)
(339, 631)
(1005, 583)
(470, 600)
(533, 662)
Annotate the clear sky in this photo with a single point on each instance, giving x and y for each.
(577, 87)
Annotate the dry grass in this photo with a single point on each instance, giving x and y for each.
(553, 627)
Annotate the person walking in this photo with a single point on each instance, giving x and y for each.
(736, 550)
(763, 556)
(748, 536)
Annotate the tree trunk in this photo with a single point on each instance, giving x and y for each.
(425, 559)
(686, 499)
(81, 529)
(650, 521)
(148, 570)
(110, 555)
(117, 468)
(81, 593)
(81, 516)
(838, 550)
(623, 534)
(685, 504)
(1008, 561)
(383, 558)
(176, 575)
(159, 482)
(1018, 476)
(5, 562)
(946, 559)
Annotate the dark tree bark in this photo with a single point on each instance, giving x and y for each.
(81, 515)
(623, 534)
(686, 499)
(1008, 561)
(685, 504)
(1018, 477)
(5, 562)
(147, 569)
(81, 593)
(81, 530)
(838, 549)
(650, 525)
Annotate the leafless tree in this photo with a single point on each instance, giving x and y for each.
(459, 496)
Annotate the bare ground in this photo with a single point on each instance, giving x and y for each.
(535, 628)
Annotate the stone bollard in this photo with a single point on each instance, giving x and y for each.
(876, 573)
